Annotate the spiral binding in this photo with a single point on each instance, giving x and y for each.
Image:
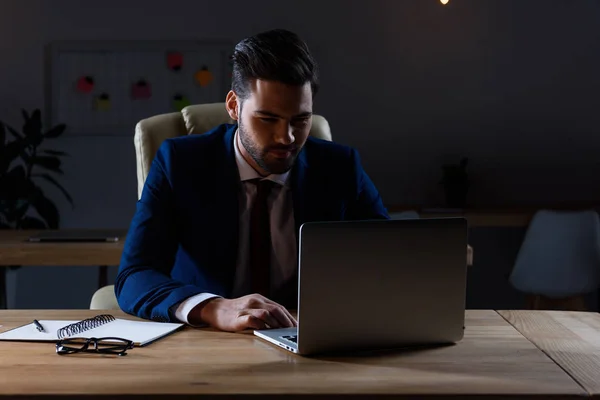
(84, 325)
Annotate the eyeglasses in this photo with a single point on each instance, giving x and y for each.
(104, 345)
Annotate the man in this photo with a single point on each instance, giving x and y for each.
(214, 238)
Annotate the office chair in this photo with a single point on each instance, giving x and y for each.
(104, 299)
(559, 260)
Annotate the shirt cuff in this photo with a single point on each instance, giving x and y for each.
(183, 310)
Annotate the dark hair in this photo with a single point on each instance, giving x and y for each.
(276, 55)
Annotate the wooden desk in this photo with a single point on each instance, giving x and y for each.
(16, 250)
(494, 359)
(571, 339)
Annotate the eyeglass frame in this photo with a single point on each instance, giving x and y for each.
(62, 347)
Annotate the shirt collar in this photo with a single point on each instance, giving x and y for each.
(247, 172)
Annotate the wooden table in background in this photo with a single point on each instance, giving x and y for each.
(493, 360)
(505, 217)
(490, 219)
(16, 250)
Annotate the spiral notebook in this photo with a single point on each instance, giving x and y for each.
(104, 325)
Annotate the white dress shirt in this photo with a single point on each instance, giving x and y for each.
(283, 239)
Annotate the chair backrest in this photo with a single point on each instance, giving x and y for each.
(105, 299)
(195, 119)
(560, 254)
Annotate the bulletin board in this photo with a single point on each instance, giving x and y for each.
(105, 88)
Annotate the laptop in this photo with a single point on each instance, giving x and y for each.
(378, 285)
(77, 235)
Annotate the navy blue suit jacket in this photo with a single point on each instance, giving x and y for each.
(183, 238)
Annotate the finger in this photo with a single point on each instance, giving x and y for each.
(279, 313)
(285, 310)
(294, 321)
(251, 322)
(258, 301)
(265, 316)
(289, 315)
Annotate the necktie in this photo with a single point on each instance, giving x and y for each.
(260, 240)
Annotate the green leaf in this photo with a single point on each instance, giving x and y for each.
(55, 152)
(14, 181)
(17, 189)
(23, 142)
(32, 128)
(47, 210)
(55, 183)
(16, 213)
(32, 223)
(48, 162)
(17, 193)
(37, 115)
(56, 131)
(17, 174)
(14, 132)
(9, 153)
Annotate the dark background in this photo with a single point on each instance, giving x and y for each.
(512, 84)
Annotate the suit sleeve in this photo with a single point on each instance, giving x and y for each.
(143, 284)
(366, 203)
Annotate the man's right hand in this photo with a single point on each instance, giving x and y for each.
(249, 312)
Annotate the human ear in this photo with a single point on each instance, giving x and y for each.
(231, 104)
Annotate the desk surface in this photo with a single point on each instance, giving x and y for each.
(494, 358)
(16, 250)
(571, 339)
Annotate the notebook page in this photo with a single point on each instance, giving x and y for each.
(30, 333)
(140, 332)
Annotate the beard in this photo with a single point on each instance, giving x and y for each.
(271, 165)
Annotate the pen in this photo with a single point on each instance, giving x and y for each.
(38, 325)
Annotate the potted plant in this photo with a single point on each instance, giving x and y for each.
(23, 164)
(456, 183)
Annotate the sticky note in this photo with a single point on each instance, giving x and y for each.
(180, 102)
(203, 76)
(102, 102)
(174, 61)
(85, 84)
(141, 90)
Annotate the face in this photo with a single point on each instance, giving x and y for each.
(273, 124)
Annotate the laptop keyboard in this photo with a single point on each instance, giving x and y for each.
(291, 338)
